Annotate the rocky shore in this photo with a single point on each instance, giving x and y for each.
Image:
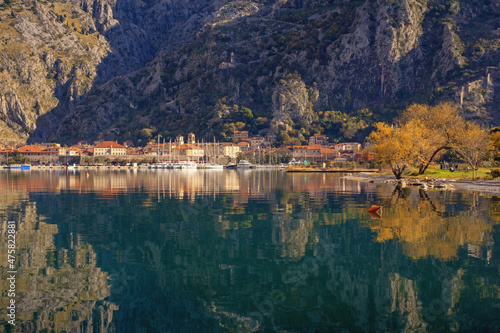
(483, 186)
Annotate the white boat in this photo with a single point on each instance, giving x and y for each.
(163, 165)
(244, 164)
(185, 165)
(213, 166)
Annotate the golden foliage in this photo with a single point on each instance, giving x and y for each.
(393, 146)
(472, 144)
(423, 229)
(422, 134)
(435, 128)
(495, 140)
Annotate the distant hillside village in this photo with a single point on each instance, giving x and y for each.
(253, 148)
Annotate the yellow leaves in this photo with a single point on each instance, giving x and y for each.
(392, 145)
(433, 117)
(472, 143)
(423, 230)
(495, 140)
(424, 132)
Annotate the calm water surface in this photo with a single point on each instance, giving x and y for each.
(227, 251)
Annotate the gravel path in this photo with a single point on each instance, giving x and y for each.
(491, 187)
(481, 186)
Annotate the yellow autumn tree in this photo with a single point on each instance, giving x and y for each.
(495, 143)
(495, 140)
(473, 144)
(393, 146)
(435, 127)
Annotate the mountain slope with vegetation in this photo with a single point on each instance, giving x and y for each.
(48, 55)
(293, 68)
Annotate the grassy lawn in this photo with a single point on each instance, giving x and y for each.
(436, 172)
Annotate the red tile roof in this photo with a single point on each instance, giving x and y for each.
(31, 149)
(328, 151)
(286, 150)
(109, 144)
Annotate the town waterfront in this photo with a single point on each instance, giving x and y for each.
(250, 250)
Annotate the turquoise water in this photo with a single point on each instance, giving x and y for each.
(228, 251)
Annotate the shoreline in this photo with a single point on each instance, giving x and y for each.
(337, 170)
(483, 186)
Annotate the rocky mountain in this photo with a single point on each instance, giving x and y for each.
(129, 69)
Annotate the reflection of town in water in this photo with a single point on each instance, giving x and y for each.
(249, 251)
(175, 183)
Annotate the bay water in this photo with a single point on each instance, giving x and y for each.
(243, 251)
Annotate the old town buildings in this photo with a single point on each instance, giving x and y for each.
(244, 146)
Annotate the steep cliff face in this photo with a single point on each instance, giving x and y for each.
(165, 65)
(137, 29)
(292, 101)
(52, 53)
(48, 55)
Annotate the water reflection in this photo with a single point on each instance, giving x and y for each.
(57, 288)
(258, 251)
(177, 183)
(437, 223)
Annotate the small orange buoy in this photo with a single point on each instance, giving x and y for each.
(374, 209)
(374, 215)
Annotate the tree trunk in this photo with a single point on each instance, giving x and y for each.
(398, 171)
(425, 165)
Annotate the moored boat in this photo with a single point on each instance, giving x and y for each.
(213, 166)
(185, 165)
(244, 164)
(20, 166)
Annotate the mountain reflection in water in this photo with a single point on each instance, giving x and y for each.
(147, 251)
